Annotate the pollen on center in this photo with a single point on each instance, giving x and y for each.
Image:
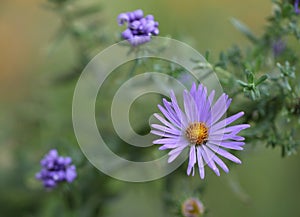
(197, 133)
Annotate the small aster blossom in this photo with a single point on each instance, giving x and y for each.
(192, 207)
(56, 169)
(200, 128)
(139, 28)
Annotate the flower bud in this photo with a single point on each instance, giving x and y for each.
(122, 18)
(192, 207)
(127, 34)
(138, 14)
(149, 17)
(135, 24)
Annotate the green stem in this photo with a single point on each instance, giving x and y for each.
(133, 68)
(223, 71)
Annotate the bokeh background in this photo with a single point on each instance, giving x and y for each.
(264, 185)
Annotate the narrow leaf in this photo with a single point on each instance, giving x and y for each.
(244, 29)
(261, 79)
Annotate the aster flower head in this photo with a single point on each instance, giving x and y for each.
(56, 169)
(139, 28)
(199, 128)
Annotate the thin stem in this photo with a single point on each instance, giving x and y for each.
(133, 68)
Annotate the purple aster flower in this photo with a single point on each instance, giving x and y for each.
(56, 169)
(139, 28)
(278, 47)
(200, 128)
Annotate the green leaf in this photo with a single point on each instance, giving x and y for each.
(253, 95)
(244, 29)
(242, 83)
(287, 10)
(207, 55)
(250, 76)
(86, 11)
(261, 79)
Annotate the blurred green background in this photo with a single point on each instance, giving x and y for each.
(264, 185)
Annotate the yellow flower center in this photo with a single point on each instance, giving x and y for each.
(197, 133)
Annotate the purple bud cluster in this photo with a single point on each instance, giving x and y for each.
(56, 169)
(139, 28)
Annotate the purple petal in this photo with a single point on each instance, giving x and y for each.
(181, 142)
(222, 137)
(163, 134)
(193, 91)
(236, 137)
(167, 140)
(162, 120)
(169, 146)
(226, 121)
(224, 153)
(200, 163)
(175, 153)
(229, 144)
(220, 162)
(192, 161)
(171, 110)
(181, 116)
(166, 129)
(220, 107)
(169, 116)
(209, 160)
(207, 107)
(236, 129)
(190, 107)
(201, 102)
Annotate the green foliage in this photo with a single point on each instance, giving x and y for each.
(268, 79)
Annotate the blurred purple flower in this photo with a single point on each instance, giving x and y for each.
(200, 129)
(186, 78)
(278, 47)
(56, 169)
(296, 6)
(139, 28)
